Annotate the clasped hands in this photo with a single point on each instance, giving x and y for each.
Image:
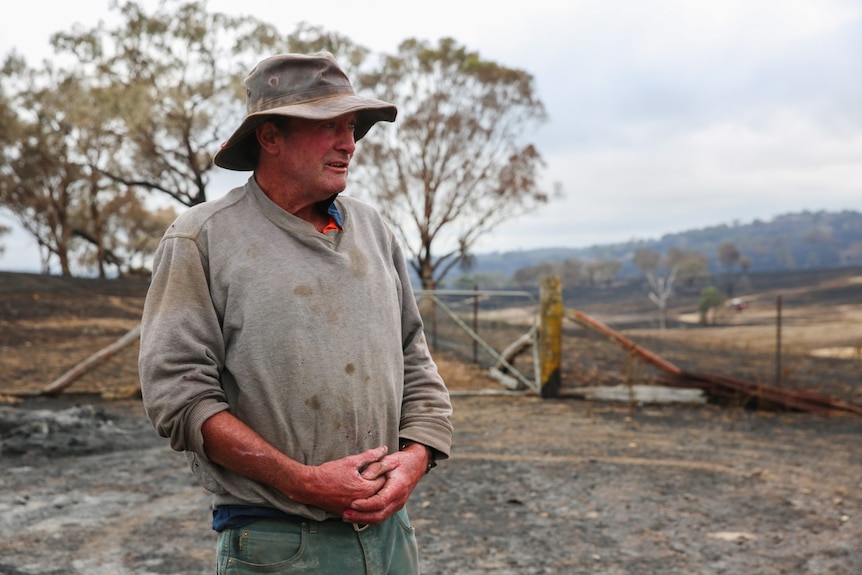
(368, 487)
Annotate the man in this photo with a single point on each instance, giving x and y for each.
(282, 349)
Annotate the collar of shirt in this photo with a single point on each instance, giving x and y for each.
(335, 220)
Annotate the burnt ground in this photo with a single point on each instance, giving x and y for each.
(534, 486)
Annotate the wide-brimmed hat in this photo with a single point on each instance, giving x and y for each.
(303, 86)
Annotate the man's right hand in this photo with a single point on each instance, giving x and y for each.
(334, 485)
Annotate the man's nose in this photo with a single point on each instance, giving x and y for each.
(346, 140)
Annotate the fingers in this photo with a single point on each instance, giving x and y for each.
(368, 458)
(361, 518)
(373, 504)
(381, 468)
(393, 494)
(376, 508)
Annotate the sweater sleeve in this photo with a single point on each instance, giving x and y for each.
(426, 407)
(182, 349)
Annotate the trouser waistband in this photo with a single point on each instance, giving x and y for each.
(232, 516)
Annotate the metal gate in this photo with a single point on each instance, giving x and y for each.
(453, 304)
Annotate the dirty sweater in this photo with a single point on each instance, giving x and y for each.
(313, 340)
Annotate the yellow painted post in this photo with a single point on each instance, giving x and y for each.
(550, 334)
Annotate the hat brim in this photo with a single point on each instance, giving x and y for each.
(239, 152)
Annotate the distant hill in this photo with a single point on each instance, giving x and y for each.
(800, 241)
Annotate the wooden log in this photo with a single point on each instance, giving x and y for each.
(590, 323)
(646, 394)
(70, 376)
(506, 380)
(501, 371)
(729, 388)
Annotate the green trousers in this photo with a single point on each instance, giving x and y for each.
(329, 547)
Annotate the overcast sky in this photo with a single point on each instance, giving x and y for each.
(664, 115)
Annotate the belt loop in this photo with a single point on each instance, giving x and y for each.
(360, 527)
(313, 526)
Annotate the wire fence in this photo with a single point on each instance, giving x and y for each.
(485, 327)
(489, 328)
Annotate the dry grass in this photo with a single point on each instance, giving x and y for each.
(47, 326)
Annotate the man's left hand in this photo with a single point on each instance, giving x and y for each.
(403, 470)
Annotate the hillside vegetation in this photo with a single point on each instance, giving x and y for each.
(796, 241)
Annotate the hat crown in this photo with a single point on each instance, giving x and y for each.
(288, 79)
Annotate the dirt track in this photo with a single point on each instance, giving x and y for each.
(534, 487)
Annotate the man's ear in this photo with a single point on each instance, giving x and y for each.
(267, 135)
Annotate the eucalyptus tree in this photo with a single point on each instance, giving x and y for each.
(115, 112)
(710, 304)
(8, 125)
(311, 38)
(650, 262)
(729, 256)
(174, 80)
(456, 164)
(529, 276)
(61, 130)
(42, 177)
(167, 87)
(647, 260)
(601, 273)
(131, 232)
(692, 266)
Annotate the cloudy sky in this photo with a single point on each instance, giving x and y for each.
(664, 115)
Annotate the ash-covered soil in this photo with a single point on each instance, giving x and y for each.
(553, 486)
(534, 486)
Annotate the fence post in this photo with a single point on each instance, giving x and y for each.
(550, 334)
(476, 322)
(778, 341)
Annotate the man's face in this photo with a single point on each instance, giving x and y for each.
(318, 154)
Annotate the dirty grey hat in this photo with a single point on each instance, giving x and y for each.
(303, 86)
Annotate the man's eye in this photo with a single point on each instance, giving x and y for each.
(352, 125)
